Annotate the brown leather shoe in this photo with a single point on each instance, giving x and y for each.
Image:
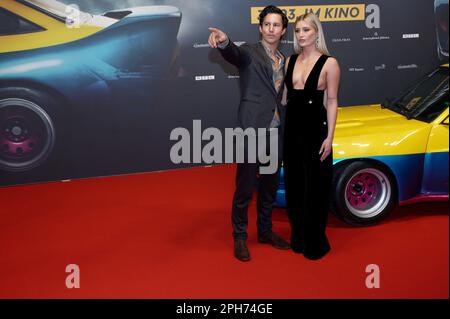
(240, 250)
(273, 239)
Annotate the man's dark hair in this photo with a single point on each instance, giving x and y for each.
(276, 10)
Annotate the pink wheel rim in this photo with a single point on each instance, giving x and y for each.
(27, 134)
(367, 193)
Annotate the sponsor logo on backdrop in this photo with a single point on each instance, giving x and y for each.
(341, 40)
(329, 13)
(411, 36)
(407, 66)
(377, 37)
(380, 67)
(200, 45)
(354, 69)
(233, 76)
(205, 77)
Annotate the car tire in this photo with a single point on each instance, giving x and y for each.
(28, 128)
(365, 193)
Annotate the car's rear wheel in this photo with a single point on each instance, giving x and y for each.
(365, 193)
(27, 128)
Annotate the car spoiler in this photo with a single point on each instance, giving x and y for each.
(143, 12)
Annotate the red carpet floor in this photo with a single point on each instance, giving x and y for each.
(168, 235)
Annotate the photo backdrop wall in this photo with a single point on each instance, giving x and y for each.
(382, 46)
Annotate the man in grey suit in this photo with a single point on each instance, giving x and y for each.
(261, 70)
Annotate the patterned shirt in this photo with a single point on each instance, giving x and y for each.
(278, 76)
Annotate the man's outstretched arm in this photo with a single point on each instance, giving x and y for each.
(231, 52)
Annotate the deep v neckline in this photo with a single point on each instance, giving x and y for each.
(309, 75)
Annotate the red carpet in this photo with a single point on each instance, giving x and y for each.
(168, 235)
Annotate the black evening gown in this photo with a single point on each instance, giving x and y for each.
(307, 179)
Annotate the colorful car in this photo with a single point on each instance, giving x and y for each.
(390, 154)
(60, 66)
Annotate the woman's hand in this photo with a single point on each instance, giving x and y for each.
(325, 149)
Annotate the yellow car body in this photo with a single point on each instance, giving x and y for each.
(55, 31)
(395, 134)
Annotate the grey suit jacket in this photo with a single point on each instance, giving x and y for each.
(258, 95)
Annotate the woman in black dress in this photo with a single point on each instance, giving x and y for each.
(312, 81)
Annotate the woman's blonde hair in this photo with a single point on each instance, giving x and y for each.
(314, 22)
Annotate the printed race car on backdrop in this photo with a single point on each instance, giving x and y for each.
(441, 16)
(60, 68)
(395, 153)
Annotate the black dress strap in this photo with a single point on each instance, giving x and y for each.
(313, 79)
(290, 71)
